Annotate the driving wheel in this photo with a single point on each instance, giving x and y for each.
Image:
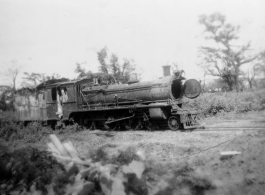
(150, 125)
(131, 124)
(87, 121)
(110, 126)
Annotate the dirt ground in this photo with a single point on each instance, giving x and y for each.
(170, 156)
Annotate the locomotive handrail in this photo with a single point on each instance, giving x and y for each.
(129, 102)
(84, 98)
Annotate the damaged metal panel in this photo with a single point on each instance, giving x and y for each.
(31, 106)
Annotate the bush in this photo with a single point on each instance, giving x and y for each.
(7, 117)
(31, 133)
(231, 102)
(11, 130)
(20, 169)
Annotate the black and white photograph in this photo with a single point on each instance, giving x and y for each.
(132, 97)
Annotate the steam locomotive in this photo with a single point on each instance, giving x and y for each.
(95, 104)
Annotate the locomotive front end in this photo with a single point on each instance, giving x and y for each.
(183, 117)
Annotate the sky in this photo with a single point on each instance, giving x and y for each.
(51, 36)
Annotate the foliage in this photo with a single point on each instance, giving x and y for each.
(11, 130)
(215, 84)
(219, 85)
(7, 117)
(109, 72)
(37, 78)
(257, 72)
(231, 102)
(225, 59)
(82, 71)
(261, 64)
(32, 133)
(113, 70)
(29, 169)
(70, 129)
(252, 72)
(32, 171)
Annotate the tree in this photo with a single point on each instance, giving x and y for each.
(261, 65)
(102, 55)
(214, 84)
(51, 77)
(114, 70)
(127, 67)
(226, 59)
(250, 74)
(35, 78)
(11, 73)
(82, 71)
(214, 66)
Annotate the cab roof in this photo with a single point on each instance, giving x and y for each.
(66, 82)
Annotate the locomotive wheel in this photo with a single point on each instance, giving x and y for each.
(132, 124)
(174, 123)
(111, 126)
(150, 125)
(87, 122)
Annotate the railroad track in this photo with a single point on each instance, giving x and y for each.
(209, 128)
(218, 128)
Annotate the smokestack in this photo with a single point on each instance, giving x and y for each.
(166, 70)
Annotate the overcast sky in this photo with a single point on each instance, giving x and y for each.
(52, 36)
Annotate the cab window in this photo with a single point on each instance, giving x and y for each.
(53, 94)
(68, 93)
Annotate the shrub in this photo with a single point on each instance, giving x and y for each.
(230, 102)
(7, 117)
(31, 133)
(22, 168)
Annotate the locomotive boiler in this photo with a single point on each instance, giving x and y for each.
(95, 104)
